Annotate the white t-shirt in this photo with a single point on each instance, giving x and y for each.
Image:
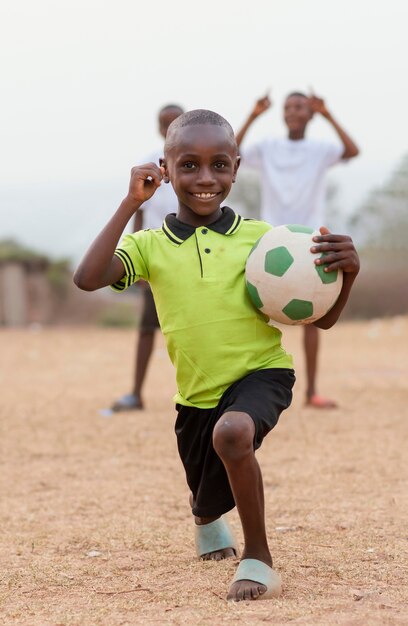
(163, 201)
(292, 178)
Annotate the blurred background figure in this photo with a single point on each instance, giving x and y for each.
(154, 211)
(292, 173)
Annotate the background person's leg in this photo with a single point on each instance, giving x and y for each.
(311, 350)
(149, 323)
(144, 351)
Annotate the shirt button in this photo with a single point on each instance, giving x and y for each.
(204, 231)
(207, 250)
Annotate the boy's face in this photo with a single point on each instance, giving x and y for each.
(166, 117)
(202, 164)
(297, 113)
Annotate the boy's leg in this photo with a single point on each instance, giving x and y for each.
(217, 447)
(143, 353)
(311, 348)
(233, 440)
(148, 326)
(145, 342)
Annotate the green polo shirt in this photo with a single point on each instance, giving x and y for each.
(214, 334)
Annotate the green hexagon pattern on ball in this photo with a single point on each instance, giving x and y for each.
(278, 261)
(298, 309)
(284, 282)
(326, 277)
(253, 292)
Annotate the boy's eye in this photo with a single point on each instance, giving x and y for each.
(219, 165)
(189, 165)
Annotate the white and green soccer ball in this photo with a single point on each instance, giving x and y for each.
(284, 282)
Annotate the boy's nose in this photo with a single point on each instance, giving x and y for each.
(206, 176)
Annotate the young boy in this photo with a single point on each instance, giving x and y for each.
(292, 173)
(233, 376)
(154, 211)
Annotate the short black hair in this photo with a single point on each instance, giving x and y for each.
(195, 118)
(296, 93)
(167, 107)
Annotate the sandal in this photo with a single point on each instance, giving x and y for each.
(216, 535)
(129, 402)
(259, 572)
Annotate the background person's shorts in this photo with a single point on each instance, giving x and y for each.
(263, 395)
(149, 320)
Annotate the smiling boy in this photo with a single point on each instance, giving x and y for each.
(234, 377)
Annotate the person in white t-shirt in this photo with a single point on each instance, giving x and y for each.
(292, 186)
(151, 216)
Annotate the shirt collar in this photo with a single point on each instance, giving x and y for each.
(178, 231)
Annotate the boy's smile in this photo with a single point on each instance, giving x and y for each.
(201, 165)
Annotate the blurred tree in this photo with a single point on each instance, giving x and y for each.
(57, 271)
(380, 229)
(11, 250)
(382, 220)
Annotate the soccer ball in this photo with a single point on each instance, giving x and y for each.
(283, 280)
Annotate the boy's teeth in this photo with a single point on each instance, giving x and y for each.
(205, 195)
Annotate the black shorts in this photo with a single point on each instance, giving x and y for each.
(263, 395)
(149, 320)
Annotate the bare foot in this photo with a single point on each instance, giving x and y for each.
(245, 590)
(320, 402)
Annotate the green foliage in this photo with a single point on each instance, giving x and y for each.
(11, 250)
(57, 271)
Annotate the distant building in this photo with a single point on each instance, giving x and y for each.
(25, 291)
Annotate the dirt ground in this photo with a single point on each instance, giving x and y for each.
(95, 524)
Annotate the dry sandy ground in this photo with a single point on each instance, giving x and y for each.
(95, 526)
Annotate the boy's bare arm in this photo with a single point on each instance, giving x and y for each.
(99, 267)
(138, 221)
(261, 105)
(318, 106)
(340, 254)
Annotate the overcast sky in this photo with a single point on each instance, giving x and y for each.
(82, 81)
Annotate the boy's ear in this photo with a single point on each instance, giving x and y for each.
(166, 178)
(236, 166)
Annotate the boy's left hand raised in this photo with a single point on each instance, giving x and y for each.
(339, 252)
